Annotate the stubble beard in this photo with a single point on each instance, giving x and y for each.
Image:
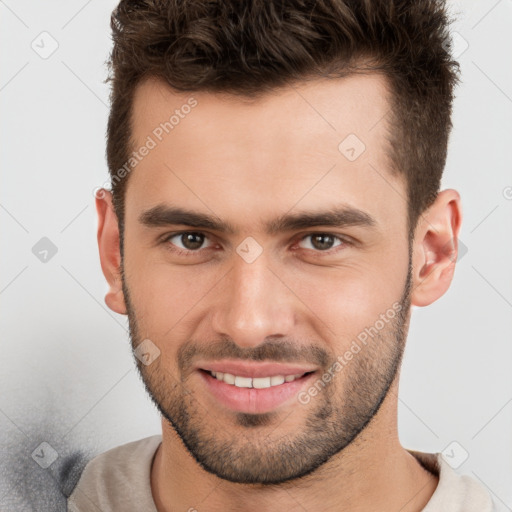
(241, 447)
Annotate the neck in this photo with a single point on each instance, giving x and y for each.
(374, 471)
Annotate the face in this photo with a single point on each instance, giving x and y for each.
(256, 232)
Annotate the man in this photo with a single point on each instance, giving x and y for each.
(275, 212)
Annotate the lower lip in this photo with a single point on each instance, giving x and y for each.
(252, 400)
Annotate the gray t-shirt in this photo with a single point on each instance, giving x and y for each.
(119, 480)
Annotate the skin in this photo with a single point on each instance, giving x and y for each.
(248, 162)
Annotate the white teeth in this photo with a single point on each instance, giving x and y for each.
(228, 378)
(275, 381)
(261, 382)
(243, 382)
(257, 382)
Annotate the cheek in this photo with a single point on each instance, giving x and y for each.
(163, 295)
(346, 302)
(347, 299)
(338, 301)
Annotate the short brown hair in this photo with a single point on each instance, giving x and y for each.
(249, 47)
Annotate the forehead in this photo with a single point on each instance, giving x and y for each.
(316, 142)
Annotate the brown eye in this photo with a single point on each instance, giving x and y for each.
(321, 241)
(190, 241)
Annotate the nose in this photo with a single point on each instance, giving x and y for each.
(253, 303)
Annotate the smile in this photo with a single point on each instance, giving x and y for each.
(257, 382)
(253, 395)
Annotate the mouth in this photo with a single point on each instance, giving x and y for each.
(255, 382)
(254, 395)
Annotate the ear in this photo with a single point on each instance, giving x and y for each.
(435, 248)
(110, 250)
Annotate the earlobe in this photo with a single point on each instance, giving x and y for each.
(435, 248)
(110, 251)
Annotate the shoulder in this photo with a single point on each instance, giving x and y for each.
(117, 478)
(455, 492)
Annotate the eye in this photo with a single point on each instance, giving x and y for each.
(321, 242)
(187, 241)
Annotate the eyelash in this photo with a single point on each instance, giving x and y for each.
(188, 252)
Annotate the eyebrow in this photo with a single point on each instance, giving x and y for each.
(338, 217)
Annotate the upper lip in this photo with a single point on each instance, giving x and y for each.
(251, 369)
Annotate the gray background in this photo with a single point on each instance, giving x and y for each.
(66, 372)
